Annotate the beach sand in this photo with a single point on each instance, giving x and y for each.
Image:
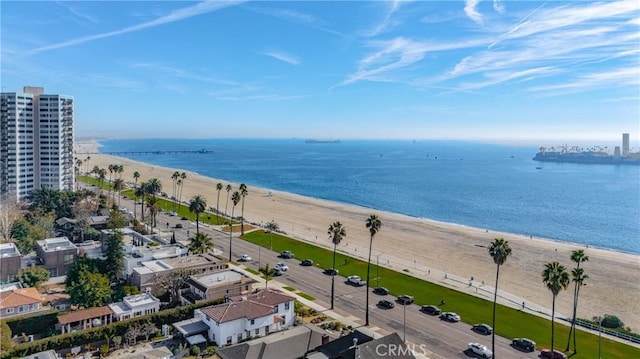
(425, 246)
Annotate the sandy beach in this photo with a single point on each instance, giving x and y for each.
(613, 286)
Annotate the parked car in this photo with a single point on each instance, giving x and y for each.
(286, 255)
(480, 350)
(331, 271)
(306, 263)
(483, 329)
(450, 317)
(524, 344)
(172, 214)
(178, 225)
(356, 280)
(430, 309)
(556, 354)
(405, 299)
(381, 290)
(244, 258)
(281, 266)
(386, 304)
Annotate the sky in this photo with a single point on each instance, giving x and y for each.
(467, 69)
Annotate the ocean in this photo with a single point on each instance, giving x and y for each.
(489, 186)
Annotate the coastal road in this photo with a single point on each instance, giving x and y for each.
(444, 339)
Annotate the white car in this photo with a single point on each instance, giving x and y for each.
(281, 266)
(245, 258)
(481, 350)
(356, 280)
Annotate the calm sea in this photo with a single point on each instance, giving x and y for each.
(482, 185)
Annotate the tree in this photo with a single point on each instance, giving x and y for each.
(173, 282)
(153, 206)
(114, 256)
(136, 175)
(5, 334)
(140, 193)
(271, 226)
(235, 198)
(9, 213)
(578, 277)
(336, 233)
(201, 243)
(197, 205)
(243, 193)
(118, 186)
(83, 264)
(499, 251)
(228, 189)
(90, 290)
(102, 175)
(183, 177)
(374, 224)
(219, 188)
(267, 273)
(33, 277)
(111, 169)
(174, 184)
(556, 278)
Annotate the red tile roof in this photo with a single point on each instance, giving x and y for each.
(265, 296)
(235, 310)
(84, 314)
(18, 297)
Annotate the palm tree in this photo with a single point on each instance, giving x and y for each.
(86, 164)
(499, 251)
(136, 175)
(235, 198)
(102, 175)
(243, 194)
(578, 277)
(140, 193)
(154, 186)
(174, 196)
(228, 189)
(556, 278)
(219, 188)
(374, 224)
(201, 243)
(183, 177)
(268, 274)
(197, 205)
(111, 168)
(271, 226)
(118, 186)
(152, 207)
(336, 233)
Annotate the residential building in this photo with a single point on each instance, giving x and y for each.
(216, 285)
(248, 316)
(10, 262)
(85, 319)
(292, 343)
(625, 144)
(362, 345)
(135, 306)
(20, 301)
(36, 142)
(135, 255)
(145, 276)
(57, 255)
(49, 354)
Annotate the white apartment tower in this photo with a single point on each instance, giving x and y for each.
(36, 142)
(625, 144)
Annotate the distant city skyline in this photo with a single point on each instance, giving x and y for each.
(551, 72)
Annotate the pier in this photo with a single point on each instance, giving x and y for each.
(125, 153)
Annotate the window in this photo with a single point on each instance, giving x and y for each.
(253, 321)
(23, 308)
(68, 258)
(286, 306)
(229, 340)
(239, 337)
(9, 310)
(258, 331)
(276, 309)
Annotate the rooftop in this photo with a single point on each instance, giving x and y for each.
(84, 314)
(268, 296)
(8, 250)
(224, 277)
(190, 261)
(56, 244)
(231, 311)
(18, 297)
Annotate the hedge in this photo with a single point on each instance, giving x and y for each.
(68, 340)
(43, 322)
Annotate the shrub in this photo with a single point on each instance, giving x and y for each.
(612, 322)
(195, 350)
(35, 323)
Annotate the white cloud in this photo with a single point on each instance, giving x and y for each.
(498, 6)
(176, 72)
(296, 17)
(470, 8)
(621, 76)
(387, 22)
(177, 15)
(282, 56)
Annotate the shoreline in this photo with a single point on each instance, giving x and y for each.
(448, 247)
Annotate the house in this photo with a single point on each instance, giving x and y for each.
(252, 315)
(135, 255)
(145, 276)
(59, 301)
(10, 262)
(49, 354)
(57, 255)
(99, 222)
(66, 225)
(215, 285)
(135, 306)
(84, 319)
(292, 343)
(361, 345)
(20, 301)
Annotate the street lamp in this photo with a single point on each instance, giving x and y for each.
(378, 270)
(599, 336)
(404, 323)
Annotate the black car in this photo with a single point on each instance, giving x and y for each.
(331, 271)
(306, 263)
(430, 309)
(179, 225)
(524, 344)
(386, 304)
(286, 255)
(405, 299)
(482, 329)
(381, 290)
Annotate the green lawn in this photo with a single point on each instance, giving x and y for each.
(510, 323)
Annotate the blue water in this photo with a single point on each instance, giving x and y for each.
(481, 185)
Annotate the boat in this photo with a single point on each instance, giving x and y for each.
(538, 168)
(309, 140)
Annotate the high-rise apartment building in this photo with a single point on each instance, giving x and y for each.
(625, 144)
(36, 142)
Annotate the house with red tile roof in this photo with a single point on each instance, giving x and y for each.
(248, 316)
(20, 301)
